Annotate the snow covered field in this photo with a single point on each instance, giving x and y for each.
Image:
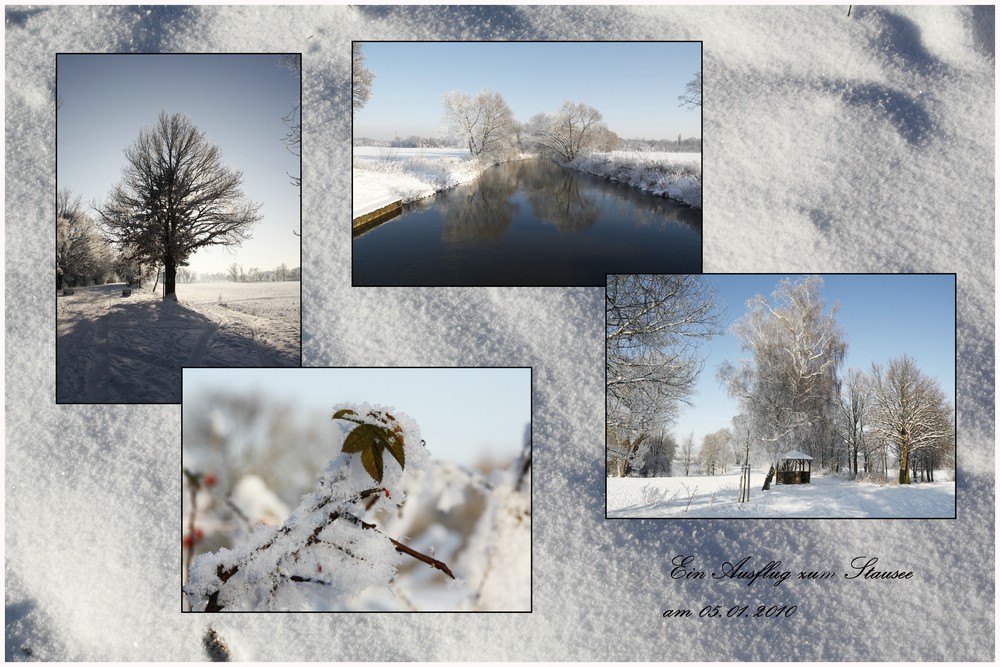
(115, 349)
(825, 497)
(833, 143)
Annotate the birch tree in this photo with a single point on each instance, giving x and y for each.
(789, 386)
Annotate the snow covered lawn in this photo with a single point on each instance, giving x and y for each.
(675, 175)
(826, 497)
(115, 349)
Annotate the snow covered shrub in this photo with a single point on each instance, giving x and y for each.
(325, 553)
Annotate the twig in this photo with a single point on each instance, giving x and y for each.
(433, 562)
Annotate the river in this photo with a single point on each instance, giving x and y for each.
(530, 222)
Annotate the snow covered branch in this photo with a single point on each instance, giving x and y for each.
(325, 552)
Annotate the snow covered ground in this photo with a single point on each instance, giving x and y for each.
(832, 143)
(825, 497)
(386, 175)
(115, 349)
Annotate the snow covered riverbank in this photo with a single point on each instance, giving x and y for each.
(382, 176)
(827, 497)
(674, 175)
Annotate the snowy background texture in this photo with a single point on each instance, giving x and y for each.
(831, 144)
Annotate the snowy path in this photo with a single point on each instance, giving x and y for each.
(826, 497)
(114, 349)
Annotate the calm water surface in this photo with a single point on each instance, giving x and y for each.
(530, 223)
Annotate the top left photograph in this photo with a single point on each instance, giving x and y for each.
(178, 220)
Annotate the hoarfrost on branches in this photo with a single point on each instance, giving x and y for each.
(325, 553)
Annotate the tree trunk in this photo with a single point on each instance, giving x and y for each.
(169, 277)
(904, 463)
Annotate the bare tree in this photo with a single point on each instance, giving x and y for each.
(691, 97)
(484, 122)
(909, 410)
(655, 325)
(687, 453)
(854, 411)
(789, 387)
(176, 196)
(361, 78)
(293, 119)
(575, 129)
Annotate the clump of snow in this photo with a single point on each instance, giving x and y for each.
(832, 143)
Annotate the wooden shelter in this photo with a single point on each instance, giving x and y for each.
(794, 467)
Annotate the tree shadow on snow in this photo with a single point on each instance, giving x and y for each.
(134, 352)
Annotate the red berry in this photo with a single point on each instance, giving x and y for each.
(187, 540)
(199, 534)
(210, 479)
(387, 493)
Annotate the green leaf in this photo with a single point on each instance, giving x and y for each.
(371, 441)
(342, 414)
(371, 459)
(397, 450)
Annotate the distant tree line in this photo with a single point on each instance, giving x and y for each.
(235, 273)
(484, 124)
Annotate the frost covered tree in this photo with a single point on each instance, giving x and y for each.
(691, 97)
(571, 132)
(325, 553)
(175, 197)
(361, 78)
(484, 123)
(789, 388)
(714, 451)
(910, 411)
(82, 255)
(659, 458)
(655, 325)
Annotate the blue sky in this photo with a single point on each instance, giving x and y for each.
(634, 85)
(883, 316)
(237, 101)
(463, 413)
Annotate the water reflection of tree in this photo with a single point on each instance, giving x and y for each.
(556, 198)
(481, 212)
